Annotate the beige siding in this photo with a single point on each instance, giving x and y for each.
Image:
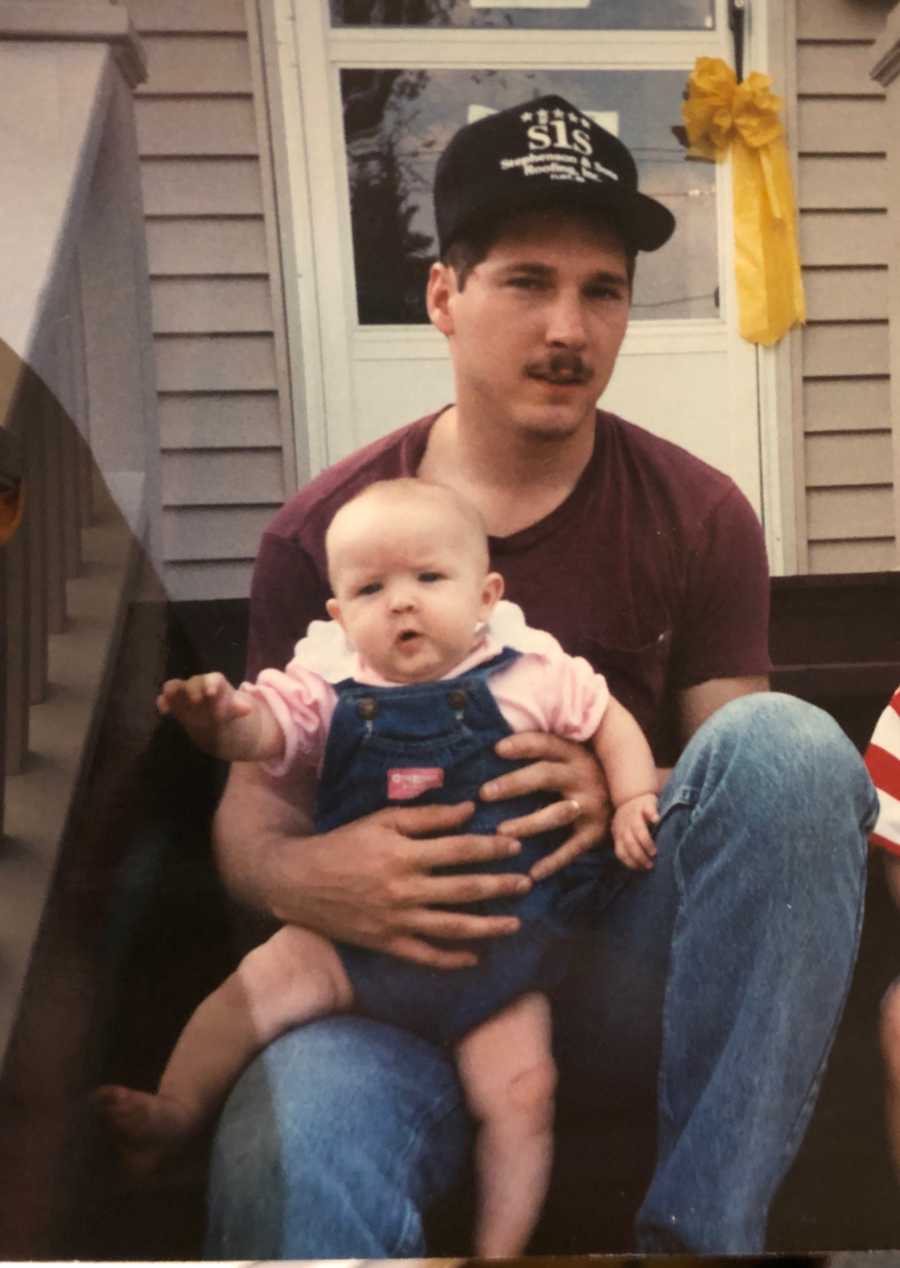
(223, 187)
(203, 245)
(203, 64)
(841, 349)
(853, 458)
(212, 420)
(224, 398)
(875, 555)
(852, 404)
(198, 305)
(841, 68)
(841, 127)
(198, 479)
(842, 182)
(849, 294)
(211, 363)
(207, 17)
(228, 533)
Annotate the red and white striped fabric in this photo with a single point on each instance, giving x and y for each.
(883, 761)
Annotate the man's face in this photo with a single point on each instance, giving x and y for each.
(535, 333)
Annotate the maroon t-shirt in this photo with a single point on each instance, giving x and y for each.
(653, 568)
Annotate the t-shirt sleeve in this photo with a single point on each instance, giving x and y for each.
(725, 627)
(286, 594)
(883, 761)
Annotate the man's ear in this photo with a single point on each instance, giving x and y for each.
(441, 287)
(491, 593)
(333, 608)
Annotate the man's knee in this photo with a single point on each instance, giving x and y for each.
(777, 721)
(339, 1128)
(775, 746)
(776, 782)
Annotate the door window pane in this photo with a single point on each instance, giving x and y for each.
(397, 122)
(552, 15)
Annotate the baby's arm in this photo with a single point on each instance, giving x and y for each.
(631, 774)
(224, 721)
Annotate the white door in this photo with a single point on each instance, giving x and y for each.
(376, 87)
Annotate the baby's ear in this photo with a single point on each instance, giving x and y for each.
(333, 608)
(491, 592)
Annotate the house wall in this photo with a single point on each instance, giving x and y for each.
(218, 306)
(218, 322)
(845, 419)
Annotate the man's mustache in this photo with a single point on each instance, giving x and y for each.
(562, 366)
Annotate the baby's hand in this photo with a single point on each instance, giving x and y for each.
(204, 705)
(631, 831)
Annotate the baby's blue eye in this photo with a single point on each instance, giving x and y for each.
(372, 588)
(430, 576)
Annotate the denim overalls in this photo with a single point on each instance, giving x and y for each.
(433, 742)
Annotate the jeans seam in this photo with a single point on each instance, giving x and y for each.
(408, 1240)
(664, 1104)
(795, 1134)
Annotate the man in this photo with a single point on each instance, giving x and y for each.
(716, 981)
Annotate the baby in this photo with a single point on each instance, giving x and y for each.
(403, 696)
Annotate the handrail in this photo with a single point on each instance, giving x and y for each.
(78, 429)
(93, 21)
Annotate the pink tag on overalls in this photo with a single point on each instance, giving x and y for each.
(405, 782)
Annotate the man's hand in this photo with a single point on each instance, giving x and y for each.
(368, 882)
(560, 766)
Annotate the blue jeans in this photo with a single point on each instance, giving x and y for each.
(720, 976)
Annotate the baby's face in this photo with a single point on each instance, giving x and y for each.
(410, 588)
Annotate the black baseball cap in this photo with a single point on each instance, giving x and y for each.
(543, 153)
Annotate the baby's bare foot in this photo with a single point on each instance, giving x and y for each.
(146, 1126)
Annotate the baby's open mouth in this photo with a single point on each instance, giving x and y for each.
(406, 635)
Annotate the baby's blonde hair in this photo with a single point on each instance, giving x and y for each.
(411, 490)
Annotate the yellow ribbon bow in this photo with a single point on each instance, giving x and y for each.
(719, 113)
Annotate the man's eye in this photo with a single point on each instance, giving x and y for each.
(604, 292)
(526, 283)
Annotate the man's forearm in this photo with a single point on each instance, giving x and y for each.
(253, 826)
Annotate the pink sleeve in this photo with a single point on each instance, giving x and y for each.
(556, 693)
(303, 705)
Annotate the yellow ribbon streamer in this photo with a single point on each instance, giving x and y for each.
(12, 504)
(720, 114)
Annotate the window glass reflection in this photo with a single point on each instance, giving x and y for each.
(553, 15)
(397, 122)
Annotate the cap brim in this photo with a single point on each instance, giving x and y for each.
(644, 223)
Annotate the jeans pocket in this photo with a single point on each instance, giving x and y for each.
(675, 796)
